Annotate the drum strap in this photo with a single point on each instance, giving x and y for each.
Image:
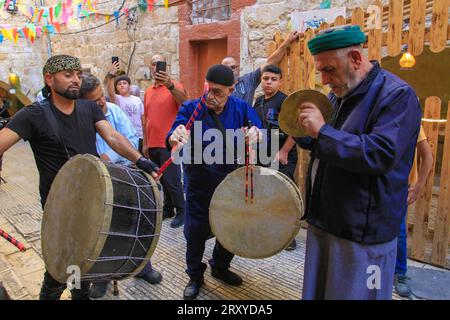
(50, 115)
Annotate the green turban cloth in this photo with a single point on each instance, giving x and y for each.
(336, 38)
(61, 63)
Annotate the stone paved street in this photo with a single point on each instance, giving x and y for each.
(279, 277)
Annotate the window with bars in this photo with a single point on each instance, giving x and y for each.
(208, 11)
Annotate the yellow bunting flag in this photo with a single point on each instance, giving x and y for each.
(166, 4)
(36, 11)
(107, 18)
(7, 33)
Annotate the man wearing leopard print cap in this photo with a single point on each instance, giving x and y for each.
(58, 128)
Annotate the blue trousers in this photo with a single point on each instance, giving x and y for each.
(196, 224)
(196, 231)
(401, 262)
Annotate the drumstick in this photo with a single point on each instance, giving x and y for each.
(246, 169)
(250, 153)
(251, 175)
(8, 237)
(191, 120)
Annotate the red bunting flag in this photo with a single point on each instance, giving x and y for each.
(150, 5)
(57, 26)
(51, 14)
(26, 32)
(40, 15)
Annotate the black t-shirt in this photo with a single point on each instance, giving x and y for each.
(77, 130)
(268, 111)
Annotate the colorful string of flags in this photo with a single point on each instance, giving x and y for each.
(50, 19)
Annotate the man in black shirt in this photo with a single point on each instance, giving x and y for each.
(58, 128)
(268, 107)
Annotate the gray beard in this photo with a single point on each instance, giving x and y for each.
(352, 84)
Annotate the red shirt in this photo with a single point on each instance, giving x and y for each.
(160, 110)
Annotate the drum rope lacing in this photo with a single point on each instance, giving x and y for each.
(134, 176)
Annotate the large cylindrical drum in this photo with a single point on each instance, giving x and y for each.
(101, 219)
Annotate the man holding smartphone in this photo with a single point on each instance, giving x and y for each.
(161, 103)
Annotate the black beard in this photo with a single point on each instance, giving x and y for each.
(71, 94)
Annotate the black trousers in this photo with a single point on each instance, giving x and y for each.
(171, 181)
(52, 289)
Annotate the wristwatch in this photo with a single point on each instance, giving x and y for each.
(171, 87)
(110, 75)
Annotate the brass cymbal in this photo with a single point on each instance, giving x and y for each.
(289, 110)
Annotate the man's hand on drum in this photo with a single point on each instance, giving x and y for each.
(148, 166)
(254, 135)
(310, 118)
(179, 136)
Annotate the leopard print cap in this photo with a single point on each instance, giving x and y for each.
(61, 63)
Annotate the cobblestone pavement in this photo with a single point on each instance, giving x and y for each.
(277, 278)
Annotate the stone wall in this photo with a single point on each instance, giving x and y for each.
(156, 32)
(260, 21)
(23, 58)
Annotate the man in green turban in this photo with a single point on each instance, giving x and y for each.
(357, 184)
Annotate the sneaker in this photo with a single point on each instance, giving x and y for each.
(178, 221)
(401, 285)
(227, 276)
(292, 246)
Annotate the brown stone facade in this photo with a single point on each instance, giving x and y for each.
(207, 43)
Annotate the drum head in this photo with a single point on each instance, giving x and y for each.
(75, 213)
(260, 229)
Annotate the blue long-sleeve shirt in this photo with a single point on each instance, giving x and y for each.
(122, 124)
(235, 115)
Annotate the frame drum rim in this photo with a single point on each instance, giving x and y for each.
(297, 189)
(47, 234)
(216, 213)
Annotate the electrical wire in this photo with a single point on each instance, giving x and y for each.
(177, 2)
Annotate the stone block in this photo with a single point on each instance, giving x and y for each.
(25, 262)
(255, 35)
(12, 285)
(33, 282)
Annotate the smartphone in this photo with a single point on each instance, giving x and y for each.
(115, 59)
(160, 66)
